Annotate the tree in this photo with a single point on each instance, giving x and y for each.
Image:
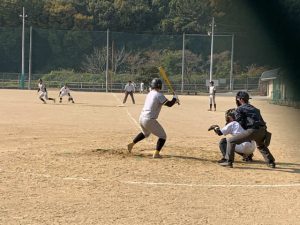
(137, 16)
(187, 16)
(193, 64)
(60, 14)
(104, 15)
(222, 64)
(95, 62)
(119, 59)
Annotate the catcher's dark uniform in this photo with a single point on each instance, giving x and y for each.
(251, 120)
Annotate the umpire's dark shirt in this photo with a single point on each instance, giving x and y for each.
(249, 117)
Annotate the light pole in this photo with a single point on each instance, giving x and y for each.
(30, 59)
(21, 84)
(211, 48)
(231, 64)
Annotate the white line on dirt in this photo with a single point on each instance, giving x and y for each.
(167, 183)
(213, 185)
(128, 113)
(75, 178)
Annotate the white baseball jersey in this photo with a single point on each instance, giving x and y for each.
(42, 87)
(235, 128)
(43, 91)
(64, 91)
(212, 90)
(129, 87)
(153, 103)
(142, 86)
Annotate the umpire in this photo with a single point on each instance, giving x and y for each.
(255, 127)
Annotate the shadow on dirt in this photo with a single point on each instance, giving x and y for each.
(254, 165)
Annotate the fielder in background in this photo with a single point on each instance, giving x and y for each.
(129, 90)
(212, 96)
(142, 87)
(233, 128)
(43, 93)
(148, 118)
(255, 128)
(65, 90)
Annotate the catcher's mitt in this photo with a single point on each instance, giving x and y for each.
(212, 127)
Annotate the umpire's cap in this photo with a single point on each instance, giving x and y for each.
(156, 83)
(243, 95)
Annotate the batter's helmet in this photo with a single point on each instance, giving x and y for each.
(243, 95)
(156, 83)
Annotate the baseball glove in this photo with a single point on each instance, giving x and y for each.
(212, 127)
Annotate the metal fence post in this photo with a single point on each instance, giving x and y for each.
(182, 66)
(107, 59)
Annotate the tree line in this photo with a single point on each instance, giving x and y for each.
(61, 24)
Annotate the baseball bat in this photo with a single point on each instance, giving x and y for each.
(165, 77)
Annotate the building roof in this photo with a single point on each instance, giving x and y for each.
(270, 75)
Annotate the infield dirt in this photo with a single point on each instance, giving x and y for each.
(68, 164)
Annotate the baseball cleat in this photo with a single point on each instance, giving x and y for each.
(130, 146)
(271, 165)
(226, 164)
(222, 160)
(156, 155)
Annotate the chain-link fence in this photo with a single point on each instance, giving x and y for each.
(11, 81)
(109, 59)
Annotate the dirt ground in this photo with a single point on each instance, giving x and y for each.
(68, 164)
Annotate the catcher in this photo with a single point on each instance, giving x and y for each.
(255, 128)
(232, 127)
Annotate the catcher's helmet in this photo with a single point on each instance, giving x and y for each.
(243, 95)
(231, 113)
(156, 83)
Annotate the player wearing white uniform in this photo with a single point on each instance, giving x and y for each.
(65, 90)
(142, 87)
(129, 89)
(232, 127)
(43, 94)
(148, 118)
(212, 96)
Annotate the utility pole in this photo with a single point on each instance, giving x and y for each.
(231, 66)
(22, 78)
(107, 60)
(30, 59)
(211, 48)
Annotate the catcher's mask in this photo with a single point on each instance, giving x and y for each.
(229, 113)
(156, 83)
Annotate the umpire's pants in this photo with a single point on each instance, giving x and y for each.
(126, 95)
(258, 135)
